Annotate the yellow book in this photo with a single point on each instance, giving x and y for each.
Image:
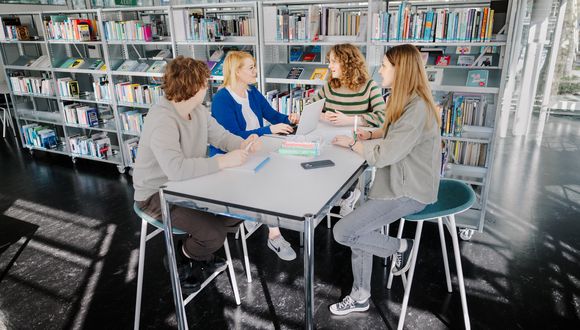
(77, 63)
(319, 74)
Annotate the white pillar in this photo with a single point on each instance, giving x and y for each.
(551, 68)
(536, 40)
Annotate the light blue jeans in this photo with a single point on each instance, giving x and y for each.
(360, 230)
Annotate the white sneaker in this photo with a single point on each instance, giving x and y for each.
(347, 204)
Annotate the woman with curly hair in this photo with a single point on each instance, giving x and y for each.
(350, 92)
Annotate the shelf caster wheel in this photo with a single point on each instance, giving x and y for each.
(74, 160)
(130, 172)
(466, 234)
(31, 152)
(121, 169)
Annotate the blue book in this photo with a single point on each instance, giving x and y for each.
(92, 117)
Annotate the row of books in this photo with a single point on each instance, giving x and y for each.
(310, 53)
(462, 60)
(84, 63)
(467, 153)
(288, 102)
(317, 74)
(32, 85)
(201, 28)
(132, 121)
(310, 149)
(11, 29)
(318, 21)
(131, 146)
(127, 30)
(101, 89)
(459, 111)
(137, 93)
(98, 145)
(68, 87)
(137, 66)
(81, 114)
(411, 24)
(39, 136)
(62, 27)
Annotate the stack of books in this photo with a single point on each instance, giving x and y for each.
(137, 93)
(32, 85)
(201, 28)
(39, 136)
(310, 149)
(101, 89)
(98, 145)
(288, 102)
(132, 121)
(61, 27)
(68, 87)
(131, 146)
(81, 115)
(128, 30)
(411, 23)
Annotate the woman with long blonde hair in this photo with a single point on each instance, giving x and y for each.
(406, 152)
(241, 109)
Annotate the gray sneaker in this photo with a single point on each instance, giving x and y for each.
(403, 259)
(349, 305)
(282, 248)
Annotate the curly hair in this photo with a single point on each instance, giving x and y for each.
(183, 78)
(353, 66)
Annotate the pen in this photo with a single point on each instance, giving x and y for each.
(355, 124)
(257, 168)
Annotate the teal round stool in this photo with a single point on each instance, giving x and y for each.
(454, 197)
(159, 228)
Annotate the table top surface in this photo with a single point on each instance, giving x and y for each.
(281, 187)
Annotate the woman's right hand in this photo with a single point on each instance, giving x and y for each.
(233, 158)
(281, 129)
(363, 134)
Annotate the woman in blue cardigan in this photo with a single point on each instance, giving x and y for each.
(241, 109)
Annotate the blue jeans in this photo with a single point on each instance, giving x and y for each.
(360, 230)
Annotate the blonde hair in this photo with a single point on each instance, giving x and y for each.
(410, 78)
(232, 63)
(353, 67)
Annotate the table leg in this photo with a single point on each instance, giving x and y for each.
(309, 271)
(175, 284)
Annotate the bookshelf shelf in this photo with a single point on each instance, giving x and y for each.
(137, 74)
(85, 99)
(114, 159)
(26, 68)
(439, 44)
(312, 43)
(95, 72)
(26, 118)
(139, 42)
(249, 41)
(463, 67)
(465, 89)
(131, 133)
(52, 97)
(66, 42)
(60, 149)
(101, 127)
(134, 105)
(6, 41)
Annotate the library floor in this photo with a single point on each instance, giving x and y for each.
(79, 268)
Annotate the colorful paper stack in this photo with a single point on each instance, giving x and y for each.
(299, 148)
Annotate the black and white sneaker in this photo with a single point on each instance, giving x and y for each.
(349, 305)
(403, 259)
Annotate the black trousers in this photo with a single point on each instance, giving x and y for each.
(207, 232)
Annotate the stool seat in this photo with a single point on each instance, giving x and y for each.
(154, 222)
(453, 197)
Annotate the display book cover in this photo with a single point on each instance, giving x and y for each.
(295, 73)
(477, 78)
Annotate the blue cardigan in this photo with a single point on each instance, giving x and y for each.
(228, 113)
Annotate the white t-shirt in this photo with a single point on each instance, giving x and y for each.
(249, 115)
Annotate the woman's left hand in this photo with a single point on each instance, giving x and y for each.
(343, 141)
(254, 143)
(294, 117)
(339, 119)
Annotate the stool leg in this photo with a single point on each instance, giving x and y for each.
(328, 223)
(238, 232)
(242, 232)
(399, 235)
(411, 273)
(4, 125)
(385, 231)
(444, 252)
(231, 270)
(457, 255)
(142, 246)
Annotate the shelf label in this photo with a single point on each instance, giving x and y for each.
(126, 2)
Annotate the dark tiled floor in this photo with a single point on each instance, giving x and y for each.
(79, 269)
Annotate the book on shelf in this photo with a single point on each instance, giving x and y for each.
(68, 87)
(296, 53)
(425, 57)
(160, 55)
(77, 63)
(434, 75)
(463, 50)
(157, 67)
(467, 153)
(98, 145)
(127, 65)
(287, 102)
(132, 121)
(218, 69)
(295, 73)
(477, 78)
(311, 54)
(459, 111)
(94, 64)
(128, 30)
(217, 55)
(419, 23)
(483, 60)
(39, 136)
(101, 89)
(42, 62)
(443, 60)
(465, 60)
(319, 74)
(32, 85)
(139, 94)
(131, 146)
(79, 114)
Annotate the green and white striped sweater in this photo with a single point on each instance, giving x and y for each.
(367, 102)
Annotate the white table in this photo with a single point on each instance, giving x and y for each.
(282, 188)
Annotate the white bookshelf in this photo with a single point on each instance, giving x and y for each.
(273, 59)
